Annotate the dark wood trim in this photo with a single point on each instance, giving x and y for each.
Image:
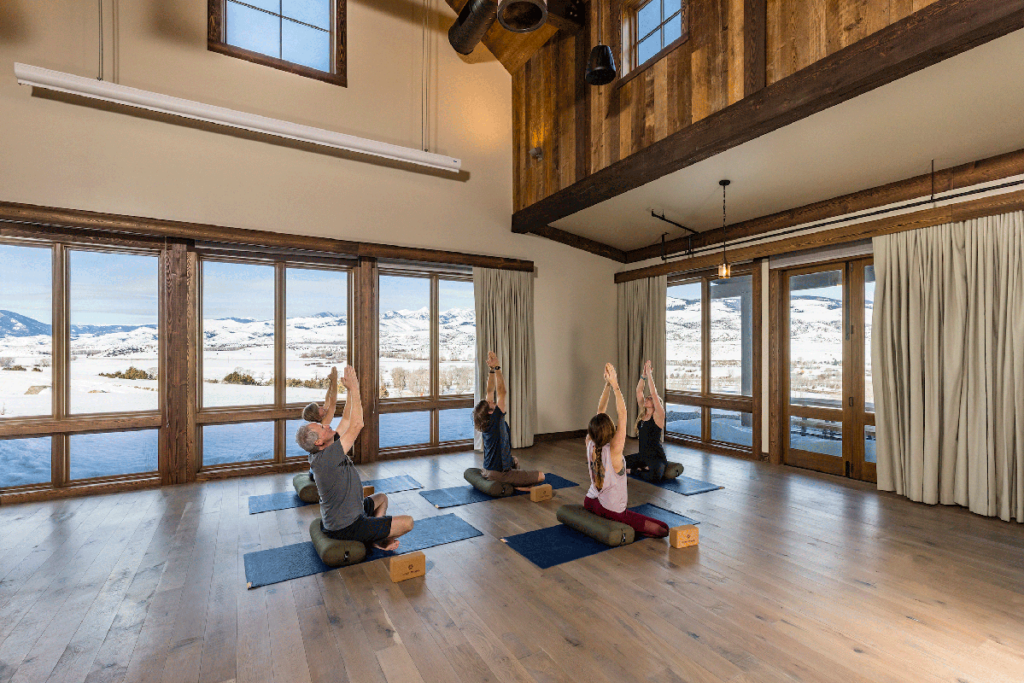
(937, 32)
(558, 436)
(367, 318)
(978, 208)
(71, 490)
(84, 424)
(775, 333)
(743, 404)
(755, 46)
(253, 469)
(53, 220)
(918, 187)
(709, 446)
(756, 364)
(174, 379)
(418, 450)
(339, 75)
(579, 242)
(411, 405)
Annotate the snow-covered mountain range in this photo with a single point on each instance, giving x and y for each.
(401, 332)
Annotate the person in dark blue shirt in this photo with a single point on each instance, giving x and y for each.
(489, 418)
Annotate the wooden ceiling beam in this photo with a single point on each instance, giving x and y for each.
(937, 32)
(584, 243)
(946, 180)
(952, 213)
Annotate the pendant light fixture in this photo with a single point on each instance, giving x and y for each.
(601, 65)
(724, 269)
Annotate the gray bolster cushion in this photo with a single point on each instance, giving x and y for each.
(495, 489)
(335, 553)
(306, 488)
(672, 470)
(606, 531)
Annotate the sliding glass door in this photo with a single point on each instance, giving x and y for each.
(827, 403)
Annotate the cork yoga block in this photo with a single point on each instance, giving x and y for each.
(542, 492)
(683, 536)
(367, 491)
(409, 566)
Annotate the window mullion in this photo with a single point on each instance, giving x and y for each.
(435, 355)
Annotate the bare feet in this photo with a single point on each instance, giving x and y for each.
(387, 544)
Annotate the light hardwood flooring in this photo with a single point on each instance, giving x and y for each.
(798, 577)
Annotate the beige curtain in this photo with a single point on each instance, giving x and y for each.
(641, 306)
(504, 324)
(948, 364)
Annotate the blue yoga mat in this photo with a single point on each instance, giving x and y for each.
(683, 485)
(464, 495)
(559, 544)
(287, 499)
(265, 567)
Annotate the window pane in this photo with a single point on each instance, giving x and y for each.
(238, 334)
(648, 18)
(292, 449)
(683, 332)
(114, 453)
(732, 426)
(673, 27)
(113, 311)
(26, 344)
(404, 429)
(245, 442)
(683, 420)
(316, 331)
(310, 47)
(457, 331)
(816, 339)
(316, 12)
(455, 424)
(648, 48)
(24, 461)
(869, 307)
(817, 436)
(672, 6)
(869, 444)
(253, 30)
(404, 336)
(732, 336)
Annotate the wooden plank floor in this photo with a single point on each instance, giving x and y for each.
(798, 577)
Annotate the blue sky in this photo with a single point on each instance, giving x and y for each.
(238, 290)
(413, 293)
(25, 278)
(316, 291)
(113, 289)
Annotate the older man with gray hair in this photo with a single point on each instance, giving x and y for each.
(345, 514)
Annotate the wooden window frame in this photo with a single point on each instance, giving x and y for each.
(280, 411)
(705, 399)
(630, 67)
(216, 41)
(435, 402)
(61, 424)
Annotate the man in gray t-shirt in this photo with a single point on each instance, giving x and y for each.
(345, 514)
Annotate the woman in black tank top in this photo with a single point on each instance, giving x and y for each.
(649, 463)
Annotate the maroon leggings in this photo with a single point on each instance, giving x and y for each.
(642, 524)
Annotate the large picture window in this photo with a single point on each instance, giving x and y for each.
(271, 332)
(305, 37)
(711, 369)
(650, 28)
(427, 359)
(80, 357)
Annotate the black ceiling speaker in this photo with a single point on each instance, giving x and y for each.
(522, 16)
(601, 65)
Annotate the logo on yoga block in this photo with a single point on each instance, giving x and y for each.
(408, 566)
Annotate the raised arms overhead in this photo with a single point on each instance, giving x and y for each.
(353, 410)
(659, 407)
(496, 382)
(331, 401)
(619, 440)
